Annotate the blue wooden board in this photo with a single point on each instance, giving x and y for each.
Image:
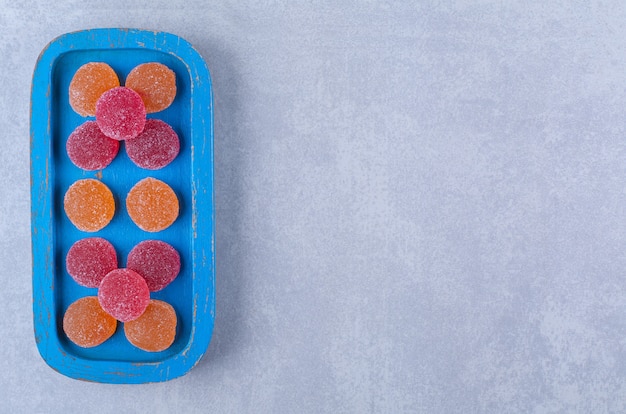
(192, 293)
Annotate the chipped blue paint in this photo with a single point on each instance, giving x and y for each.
(52, 119)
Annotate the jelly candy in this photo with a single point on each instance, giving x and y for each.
(152, 205)
(89, 82)
(89, 148)
(155, 330)
(89, 260)
(156, 83)
(155, 147)
(120, 113)
(156, 261)
(86, 324)
(89, 205)
(124, 294)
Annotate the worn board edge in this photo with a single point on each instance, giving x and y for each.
(42, 179)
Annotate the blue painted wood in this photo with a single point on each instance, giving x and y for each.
(192, 293)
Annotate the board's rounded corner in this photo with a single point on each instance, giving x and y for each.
(51, 359)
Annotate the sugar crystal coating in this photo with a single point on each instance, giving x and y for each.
(120, 113)
(156, 83)
(89, 260)
(86, 324)
(152, 205)
(89, 83)
(124, 294)
(155, 329)
(156, 261)
(89, 149)
(89, 205)
(155, 147)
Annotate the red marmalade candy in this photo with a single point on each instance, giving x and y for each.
(124, 294)
(156, 261)
(155, 147)
(89, 148)
(89, 260)
(120, 113)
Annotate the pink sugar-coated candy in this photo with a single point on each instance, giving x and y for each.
(120, 113)
(124, 294)
(89, 260)
(155, 147)
(89, 148)
(156, 261)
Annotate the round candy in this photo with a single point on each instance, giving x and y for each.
(155, 147)
(156, 261)
(86, 324)
(156, 83)
(124, 294)
(89, 82)
(89, 205)
(155, 330)
(89, 260)
(152, 205)
(120, 113)
(89, 148)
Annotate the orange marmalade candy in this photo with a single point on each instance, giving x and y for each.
(89, 82)
(155, 329)
(89, 205)
(152, 205)
(158, 262)
(86, 324)
(155, 83)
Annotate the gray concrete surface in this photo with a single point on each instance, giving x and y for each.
(421, 208)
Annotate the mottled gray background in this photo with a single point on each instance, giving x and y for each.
(420, 208)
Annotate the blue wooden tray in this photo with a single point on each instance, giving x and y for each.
(192, 293)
